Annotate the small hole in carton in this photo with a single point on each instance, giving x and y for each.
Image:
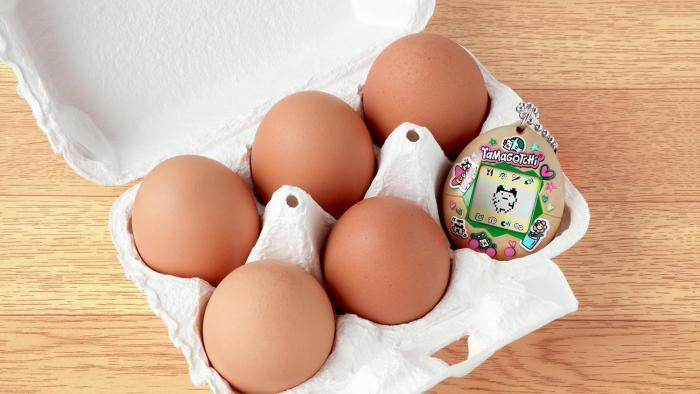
(412, 136)
(292, 201)
(455, 352)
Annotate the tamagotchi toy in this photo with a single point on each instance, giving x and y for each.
(504, 195)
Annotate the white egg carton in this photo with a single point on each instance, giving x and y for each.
(119, 86)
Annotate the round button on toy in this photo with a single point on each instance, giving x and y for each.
(504, 195)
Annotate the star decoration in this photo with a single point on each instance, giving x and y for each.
(534, 147)
(550, 186)
(550, 207)
(473, 155)
(492, 141)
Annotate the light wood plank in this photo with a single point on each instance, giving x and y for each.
(589, 357)
(90, 354)
(638, 261)
(58, 258)
(579, 44)
(598, 132)
(626, 146)
(132, 353)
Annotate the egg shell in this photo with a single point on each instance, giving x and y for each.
(429, 80)
(268, 326)
(387, 260)
(317, 142)
(194, 217)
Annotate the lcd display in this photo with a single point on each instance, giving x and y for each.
(503, 198)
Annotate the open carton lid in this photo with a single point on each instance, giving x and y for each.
(118, 87)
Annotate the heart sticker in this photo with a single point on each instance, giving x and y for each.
(547, 173)
(452, 205)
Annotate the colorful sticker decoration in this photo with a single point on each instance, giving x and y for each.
(547, 173)
(482, 242)
(458, 228)
(535, 234)
(514, 144)
(462, 175)
(510, 250)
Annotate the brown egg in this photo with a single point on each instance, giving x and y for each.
(194, 217)
(269, 326)
(429, 80)
(387, 260)
(317, 142)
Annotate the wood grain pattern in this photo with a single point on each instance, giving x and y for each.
(592, 357)
(617, 82)
(79, 354)
(579, 44)
(622, 145)
(60, 258)
(575, 118)
(52, 271)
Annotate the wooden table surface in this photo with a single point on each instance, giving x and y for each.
(618, 82)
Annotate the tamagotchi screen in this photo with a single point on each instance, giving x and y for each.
(504, 198)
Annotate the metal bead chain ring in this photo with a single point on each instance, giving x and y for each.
(530, 116)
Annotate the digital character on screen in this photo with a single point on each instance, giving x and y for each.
(504, 199)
